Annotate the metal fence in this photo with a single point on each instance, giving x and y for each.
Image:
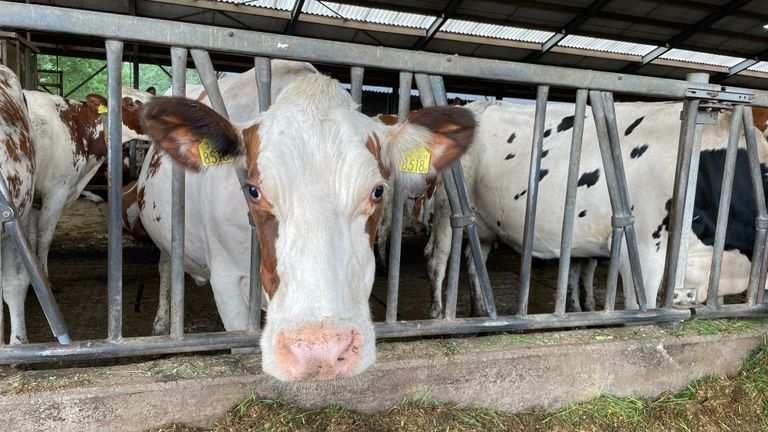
(427, 70)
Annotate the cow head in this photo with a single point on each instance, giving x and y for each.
(317, 171)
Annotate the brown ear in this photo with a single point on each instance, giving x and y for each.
(179, 125)
(151, 90)
(452, 131)
(94, 101)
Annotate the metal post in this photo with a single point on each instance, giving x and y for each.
(404, 95)
(356, 82)
(570, 201)
(682, 176)
(724, 206)
(115, 165)
(756, 292)
(207, 75)
(132, 168)
(29, 260)
(178, 183)
(532, 198)
(263, 71)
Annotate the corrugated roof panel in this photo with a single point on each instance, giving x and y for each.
(285, 5)
(759, 67)
(495, 31)
(701, 58)
(606, 45)
(365, 14)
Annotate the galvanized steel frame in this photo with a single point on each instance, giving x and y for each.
(427, 69)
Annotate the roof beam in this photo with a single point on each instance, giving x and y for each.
(741, 66)
(687, 34)
(295, 13)
(448, 11)
(574, 24)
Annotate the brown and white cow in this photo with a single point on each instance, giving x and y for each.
(70, 143)
(317, 170)
(17, 166)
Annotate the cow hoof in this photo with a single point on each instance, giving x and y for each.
(435, 311)
(160, 328)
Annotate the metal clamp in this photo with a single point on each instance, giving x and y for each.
(6, 213)
(761, 222)
(622, 221)
(461, 221)
(724, 94)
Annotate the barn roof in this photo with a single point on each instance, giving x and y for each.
(726, 38)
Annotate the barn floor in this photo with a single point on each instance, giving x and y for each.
(78, 270)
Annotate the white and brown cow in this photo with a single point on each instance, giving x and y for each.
(17, 166)
(70, 143)
(316, 174)
(649, 139)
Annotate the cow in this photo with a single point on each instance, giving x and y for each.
(70, 142)
(316, 174)
(17, 166)
(649, 139)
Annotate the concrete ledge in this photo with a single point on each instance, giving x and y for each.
(505, 372)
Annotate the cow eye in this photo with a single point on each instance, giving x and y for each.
(254, 192)
(377, 193)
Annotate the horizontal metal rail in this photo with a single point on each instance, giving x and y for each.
(251, 43)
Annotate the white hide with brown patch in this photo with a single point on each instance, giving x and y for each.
(69, 139)
(316, 167)
(17, 165)
(216, 213)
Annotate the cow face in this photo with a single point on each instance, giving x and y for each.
(317, 172)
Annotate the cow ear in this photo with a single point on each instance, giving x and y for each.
(191, 132)
(443, 133)
(96, 103)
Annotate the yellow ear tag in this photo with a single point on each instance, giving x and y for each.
(209, 156)
(101, 109)
(416, 161)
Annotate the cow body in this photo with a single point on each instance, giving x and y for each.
(17, 166)
(496, 170)
(316, 171)
(69, 139)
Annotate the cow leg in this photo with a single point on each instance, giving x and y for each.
(478, 307)
(15, 280)
(574, 272)
(231, 300)
(438, 251)
(47, 219)
(588, 281)
(162, 323)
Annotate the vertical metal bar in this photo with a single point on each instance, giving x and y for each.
(682, 177)
(569, 211)
(724, 206)
(115, 165)
(208, 78)
(613, 270)
(755, 292)
(532, 198)
(263, 71)
(178, 182)
(404, 95)
(625, 214)
(29, 260)
(426, 93)
(398, 201)
(762, 277)
(2, 308)
(356, 83)
(132, 169)
(455, 176)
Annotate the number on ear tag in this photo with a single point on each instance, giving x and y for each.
(416, 161)
(209, 156)
(102, 109)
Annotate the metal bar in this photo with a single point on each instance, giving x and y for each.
(682, 174)
(613, 270)
(132, 168)
(455, 176)
(731, 311)
(404, 95)
(625, 213)
(532, 198)
(529, 322)
(263, 71)
(178, 187)
(724, 207)
(755, 291)
(763, 274)
(29, 260)
(569, 211)
(356, 82)
(207, 75)
(2, 308)
(115, 165)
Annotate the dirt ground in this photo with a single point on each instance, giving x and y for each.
(78, 271)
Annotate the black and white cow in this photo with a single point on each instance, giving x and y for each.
(496, 170)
